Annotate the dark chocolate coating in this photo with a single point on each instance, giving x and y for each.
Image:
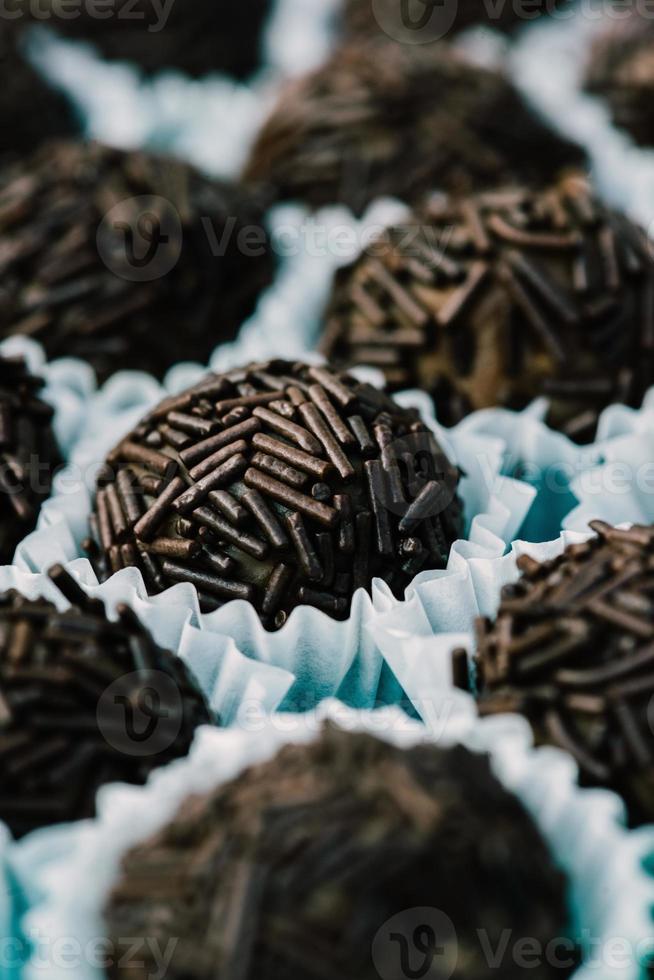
(127, 260)
(30, 110)
(307, 865)
(29, 454)
(621, 71)
(281, 484)
(571, 649)
(193, 36)
(395, 119)
(444, 18)
(84, 701)
(499, 298)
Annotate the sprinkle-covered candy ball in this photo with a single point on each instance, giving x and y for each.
(281, 484)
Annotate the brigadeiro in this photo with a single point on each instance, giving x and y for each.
(347, 857)
(127, 260)
(422, 21)
(194, 36)
(572, 650)
(399, 119)
(281, 484)
(621, 71)
(30, 111)
(497, 298)
(84, 701)
(29, 454)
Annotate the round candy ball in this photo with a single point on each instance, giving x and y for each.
(84, 701)
(281, 484)
(498, 298)
(29, 455)
(422, 21)
(620, 70)
(126, 259)
(572, 650)
(383, 119)
(373, 856)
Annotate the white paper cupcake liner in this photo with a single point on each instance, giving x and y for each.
(325, 656)
(227, 678)
(234, 686)
(422, 666)
(69, 387)
(12, 908)
(619, 487)
(210, 121)
(548, 65)
(611, 479)
(418, 650)
(626, 936)
(610, 893)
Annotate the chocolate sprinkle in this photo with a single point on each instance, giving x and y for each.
(572, 649)
(110, 256)
(84, 701)
(400, 119)
(509, 295)
(29, 454)
(321, 481)
(302, 865)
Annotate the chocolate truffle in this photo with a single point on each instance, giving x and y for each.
(29, 454)
(193, 36)
(498, 298)
(84, 701)
(421, 21)
(281, 484)
(572, 650)
(391, 119)
(30, 111)
(320, 862)
(621, 71)
(127, 260)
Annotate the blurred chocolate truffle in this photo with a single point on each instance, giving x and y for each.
(127, 260)
(84, 701)
(319, 862)
(193, 36)
(29, 454)
(30, 110)
(620, 70)
(281, 484)
(389, 119)
(572, 650)
(495, 299)
(422, 21)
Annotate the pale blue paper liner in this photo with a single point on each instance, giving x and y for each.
(210, 121)
(610, 893)
(326, 657)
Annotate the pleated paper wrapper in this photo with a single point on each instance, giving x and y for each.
(609, 892)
